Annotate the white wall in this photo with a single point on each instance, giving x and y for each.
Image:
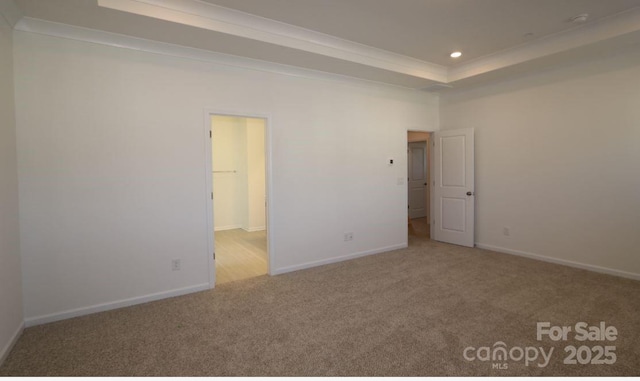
(112, 169)
(558, 162)
(10, 271)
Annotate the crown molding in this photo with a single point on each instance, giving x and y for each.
(220, 19)
(9, 12)
(212, 17)
(608, 28)
(65, 31)
(365, 63)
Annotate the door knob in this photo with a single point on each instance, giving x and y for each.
(469, 193)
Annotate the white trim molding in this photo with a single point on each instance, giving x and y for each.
(115, 40)
(357, 61)
(43, 319)
(255, 229)
(4, 353)
(608, 28)
(564, 262)
(220, 19)
(216, 18)
(270, 208)
(341, 258)
(226, 227)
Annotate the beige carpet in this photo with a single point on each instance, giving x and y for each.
(407, 312)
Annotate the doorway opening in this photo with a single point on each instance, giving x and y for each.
(418, 186)
(239, 206)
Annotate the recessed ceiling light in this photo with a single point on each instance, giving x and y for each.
(456, 54)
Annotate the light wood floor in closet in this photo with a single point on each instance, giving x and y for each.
(240, 255)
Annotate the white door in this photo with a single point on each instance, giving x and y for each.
(454, 187)
(417, 175)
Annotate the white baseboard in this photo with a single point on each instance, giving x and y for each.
(347, 257)
(43, 319)
(9, 346)
(583, 266)
(228, 227)
(255, 229)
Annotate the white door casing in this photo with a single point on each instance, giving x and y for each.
(454, 197)
(417, 159)
(269, 209)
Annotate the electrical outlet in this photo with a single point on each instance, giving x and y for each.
(348, 236)
(175, 265)
(506, 231)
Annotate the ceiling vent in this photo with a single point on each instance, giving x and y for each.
(579, 19)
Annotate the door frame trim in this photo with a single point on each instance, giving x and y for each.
(269, 208)
(429, 174)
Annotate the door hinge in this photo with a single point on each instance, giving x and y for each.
(210, 134)
(212, 195)
(214, 255)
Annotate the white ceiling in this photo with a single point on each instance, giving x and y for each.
(430, 30)
(401, 42)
